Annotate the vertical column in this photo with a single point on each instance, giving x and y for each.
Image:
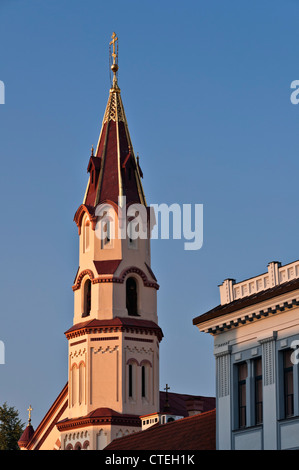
(269, 392)
(223, 397)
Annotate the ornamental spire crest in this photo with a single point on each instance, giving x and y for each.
(114, 55)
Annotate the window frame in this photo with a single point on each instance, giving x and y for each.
(245, 397)
(242, 396)
(136, 301)
(258, 382)
(288, 371)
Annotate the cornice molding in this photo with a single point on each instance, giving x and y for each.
(85, 272)
(94, 328)
(239, 318)
(70, 425)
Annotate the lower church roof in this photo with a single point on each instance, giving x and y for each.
(100, 416)
(196, 432)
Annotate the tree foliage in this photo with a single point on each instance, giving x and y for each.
(11, 428)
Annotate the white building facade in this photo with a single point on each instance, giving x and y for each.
(256, 334)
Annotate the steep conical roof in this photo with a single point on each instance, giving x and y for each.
(26, 436)
(114, 169)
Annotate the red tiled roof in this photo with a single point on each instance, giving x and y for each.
(196, 432)
(100, 415)
(107, 266)
(114, 163)
(118, 322)
(180, 404)
(26, 436)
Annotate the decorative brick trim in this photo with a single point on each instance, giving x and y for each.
(114, 279)
(132, 360)
(80, 277)
(115, 325)
(78, 342)
(104, 420)
(145, 362)
(116, 329)
(85, 445)
(128, 338)
(105, 338)
(140, 273)
(110, 278)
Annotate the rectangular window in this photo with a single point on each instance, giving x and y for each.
(132, 239)
(258, 391)
(130, 380)
(143, 382)
(288, 384)
(107, 233)
(242, 375)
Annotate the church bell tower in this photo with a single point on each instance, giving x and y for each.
(113, 345)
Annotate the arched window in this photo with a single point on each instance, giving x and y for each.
(105, 227)
(86, 445)
(86, 298)
(131, 297)
(145, 379)
(74, 388)
(132, 376)
(143, 382)
(130, 380)
(81, 382)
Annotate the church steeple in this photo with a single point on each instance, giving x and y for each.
(114, 340)
(114, 169)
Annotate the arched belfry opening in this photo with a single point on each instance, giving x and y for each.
(132, 297)
(86, 298)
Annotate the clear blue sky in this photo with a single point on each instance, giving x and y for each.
(206, 89)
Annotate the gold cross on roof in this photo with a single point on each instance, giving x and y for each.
(114, 39)
(29, 409)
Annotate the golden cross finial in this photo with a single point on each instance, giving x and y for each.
(114, 66)
(114, 39)
(29, 409)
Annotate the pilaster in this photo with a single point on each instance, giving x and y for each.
(223, 396)
(269, 391)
